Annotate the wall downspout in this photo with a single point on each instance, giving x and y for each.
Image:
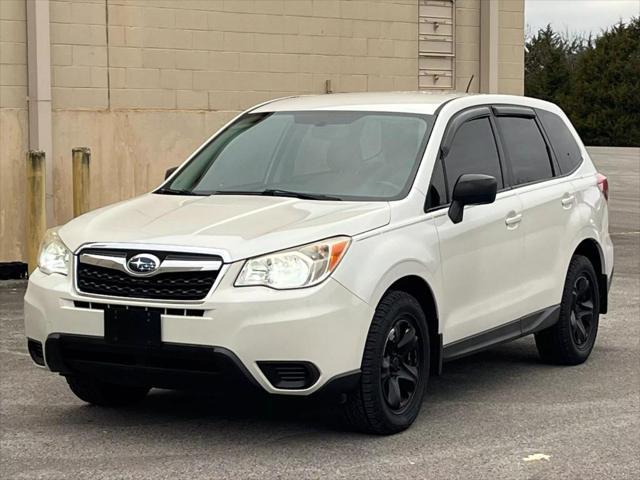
(489, 18)
(39, 96)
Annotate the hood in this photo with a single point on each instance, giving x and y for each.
(242, 226)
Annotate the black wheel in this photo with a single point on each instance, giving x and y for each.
(105, 394)
(395, 368)
(571, 339)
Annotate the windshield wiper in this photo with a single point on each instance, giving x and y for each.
(171, 191)
(275, 192)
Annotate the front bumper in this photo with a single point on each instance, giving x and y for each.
(325, 326)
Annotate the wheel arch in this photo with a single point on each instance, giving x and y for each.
(419, 288)
(590, 248)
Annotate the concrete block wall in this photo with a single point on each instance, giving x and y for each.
(144, 82)
(13, 127)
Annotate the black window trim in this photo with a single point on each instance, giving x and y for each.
(548, 140)
(455, 122)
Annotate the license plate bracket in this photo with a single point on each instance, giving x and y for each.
(132, 327)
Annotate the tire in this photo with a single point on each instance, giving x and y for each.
(386, 401)
(571, 339)
(105, 394)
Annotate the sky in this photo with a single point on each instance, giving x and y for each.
(577, 16)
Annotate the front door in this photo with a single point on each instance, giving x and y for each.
(481, 256)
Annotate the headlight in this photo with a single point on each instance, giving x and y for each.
(298, 267)
(54, 255)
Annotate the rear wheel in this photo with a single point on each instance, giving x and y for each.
(105, 394)
(395, 368)
(571, 339)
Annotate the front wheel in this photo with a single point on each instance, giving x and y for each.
(571, 339)
(395, 368)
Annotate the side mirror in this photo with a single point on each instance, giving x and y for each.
(169, 172)
(471, 189)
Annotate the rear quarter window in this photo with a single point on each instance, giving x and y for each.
(562, 141)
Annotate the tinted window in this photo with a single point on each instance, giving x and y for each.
(350, 155)
(526, 149)
(437, 194)
(473, 150)
(562, 141)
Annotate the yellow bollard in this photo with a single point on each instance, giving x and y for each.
(81, 181)
(36, 210)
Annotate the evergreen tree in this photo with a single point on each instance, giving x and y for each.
(595, 81)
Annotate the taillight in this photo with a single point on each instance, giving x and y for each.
(603, 185)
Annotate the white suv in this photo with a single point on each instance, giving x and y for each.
(346, 243)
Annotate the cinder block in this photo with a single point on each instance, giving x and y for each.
(253, 62)
(89, 55)
(160, 17)
(132, 98)
(59, 12)
(192, 59)
(353, 46)
(264, 42)
(159, 58)
(223, 61)
(380, 47)
(190, 100)
(284, 63)
(405, 48)
(239, 42)
(207, 40)
(78, 98)
(167, 38)
(297, 44)
(88, 13)
(13, 53)
(78, 35)
(325, 45)
(176, 79)
(13, 75)
(125, 57)
(190, 19)
(13, 10)
(99, 77)
(71, 76)
(352, 83)
(301, 8)
(377, 83)
(13, 96)
(142, 78)
(13, 31)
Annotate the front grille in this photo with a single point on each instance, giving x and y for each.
(175, 285)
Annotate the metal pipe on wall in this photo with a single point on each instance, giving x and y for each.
(39, 96)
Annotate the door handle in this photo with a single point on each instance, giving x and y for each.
(513, 219)
(567, 200)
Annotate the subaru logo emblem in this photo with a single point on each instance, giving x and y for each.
(143, 264)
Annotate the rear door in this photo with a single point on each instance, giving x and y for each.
(548, 200)
(480, 256)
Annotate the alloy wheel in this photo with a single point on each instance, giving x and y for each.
(401, 360)
(582, 310)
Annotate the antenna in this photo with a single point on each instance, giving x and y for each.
(469, 84)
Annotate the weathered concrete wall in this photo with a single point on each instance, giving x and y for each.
(143, 82)
(13, 127)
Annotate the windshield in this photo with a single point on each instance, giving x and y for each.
(327, 155)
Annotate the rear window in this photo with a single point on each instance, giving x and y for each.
(564, 145)
(526, 149)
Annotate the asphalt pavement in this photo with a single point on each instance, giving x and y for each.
(497, 414)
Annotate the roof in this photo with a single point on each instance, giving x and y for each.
(413, 102)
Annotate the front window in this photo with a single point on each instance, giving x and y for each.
(312, 154)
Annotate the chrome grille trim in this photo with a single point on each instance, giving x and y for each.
(119, 262)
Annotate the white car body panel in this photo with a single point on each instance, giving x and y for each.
(481, 272)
